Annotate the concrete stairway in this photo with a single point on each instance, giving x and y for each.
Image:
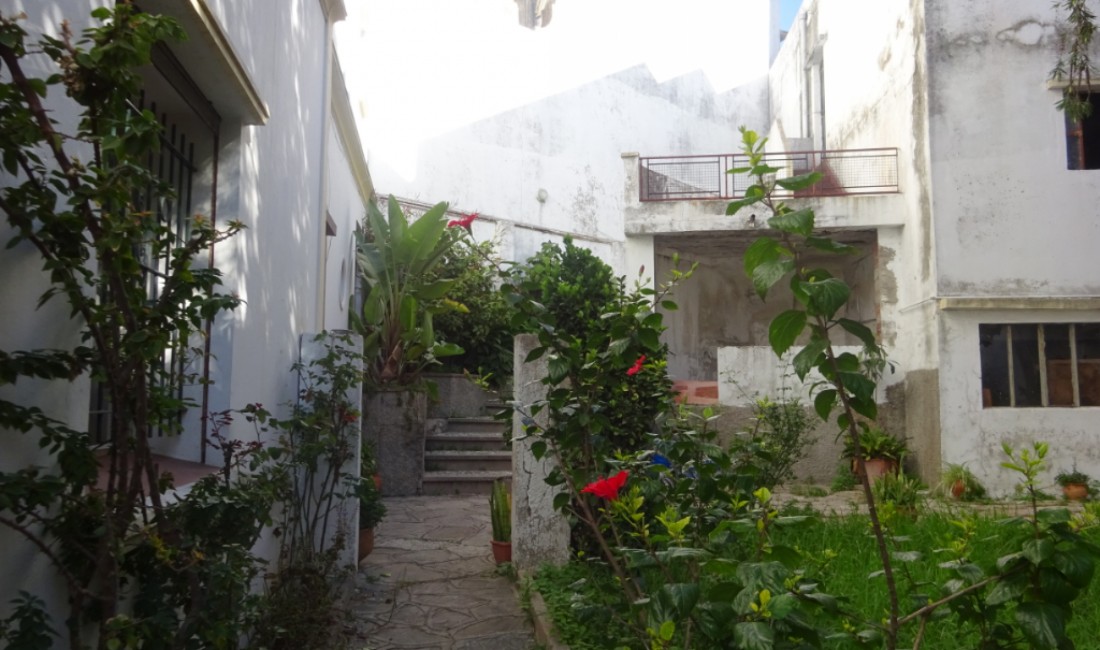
(466, 457)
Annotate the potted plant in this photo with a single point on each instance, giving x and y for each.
(1075, 484)
(960, 483)
(881, 452)
(500, 512)
(371, 511)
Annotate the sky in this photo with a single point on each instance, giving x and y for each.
(787, 10)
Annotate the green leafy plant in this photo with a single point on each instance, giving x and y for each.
(849, 387)
(778, 439)
(371, 507)
(500, 509)
(396, 260)
(481, 326)
(904, 492)
(875, 443)
(1066, 478)
(136, 570)
(958, 479)
(317, 446)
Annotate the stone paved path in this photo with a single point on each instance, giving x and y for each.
(431, 583)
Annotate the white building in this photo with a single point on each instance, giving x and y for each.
(525, 126)
(979, 241)
(260, 93)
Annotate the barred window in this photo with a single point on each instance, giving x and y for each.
(187, 163)
(1040, 364)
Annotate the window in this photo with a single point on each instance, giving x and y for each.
(186, 163)
(1040, 365)
(1083, 138)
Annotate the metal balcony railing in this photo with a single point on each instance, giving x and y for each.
(844, 172)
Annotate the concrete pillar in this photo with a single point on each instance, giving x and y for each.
(540, 534)
(394, 420)
(631, 188)
(640, 263)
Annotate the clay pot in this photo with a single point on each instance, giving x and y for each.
(958, 488)
(1075, 491)
(366, 542)
(876, 467)
(502, 551)
(377, 482)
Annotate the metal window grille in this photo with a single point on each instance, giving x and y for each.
(184, 125)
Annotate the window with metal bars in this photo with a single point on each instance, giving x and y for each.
(186, 163)
(1040, 364)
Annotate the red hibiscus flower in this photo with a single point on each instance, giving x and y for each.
(607, 488)
(464, 222)
(636, 368)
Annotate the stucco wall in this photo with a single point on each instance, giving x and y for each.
(270, 179)
(1010, 218)
(974, 435)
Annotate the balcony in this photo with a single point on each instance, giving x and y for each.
(847, 172)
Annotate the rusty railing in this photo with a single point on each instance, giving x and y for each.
(844, 172)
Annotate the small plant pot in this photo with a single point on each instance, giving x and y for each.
(377, 481)
(366, 542)
(502, 551)
(876, 467)
(1075, 491)
(958, 489)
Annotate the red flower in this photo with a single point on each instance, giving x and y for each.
(464, 222)
(636, 368)
(607, 488)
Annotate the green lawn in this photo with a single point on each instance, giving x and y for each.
(845, 556)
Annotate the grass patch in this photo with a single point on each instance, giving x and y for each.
(846, 555)
(841, 554)
(578, 597)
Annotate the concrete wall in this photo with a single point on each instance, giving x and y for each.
(1011, 222)
(854, 74)
(719, 307)
(279, 179)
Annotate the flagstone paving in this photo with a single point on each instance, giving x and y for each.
(431, 584)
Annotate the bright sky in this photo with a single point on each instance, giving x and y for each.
(417, 69)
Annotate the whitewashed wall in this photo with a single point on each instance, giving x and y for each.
(271, 178)
(1011, 222)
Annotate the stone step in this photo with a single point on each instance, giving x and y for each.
(445, 483)
(465, 441)
(476, 425)
(463, 461)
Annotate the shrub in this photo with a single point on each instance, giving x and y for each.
(482, 326)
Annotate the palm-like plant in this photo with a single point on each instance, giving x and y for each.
(395, 259)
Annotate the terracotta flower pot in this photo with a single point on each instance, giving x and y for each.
(958, 488)
(1075, 491)
(377, 482)
(366, 542)
(502, 551)
(876, 467)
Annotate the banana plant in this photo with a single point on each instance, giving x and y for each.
(395, 259)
